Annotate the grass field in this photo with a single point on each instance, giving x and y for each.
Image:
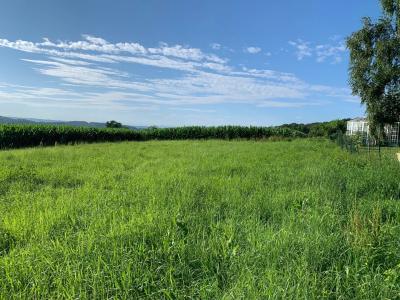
(199, 219)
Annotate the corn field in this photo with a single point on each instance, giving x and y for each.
(17, 136)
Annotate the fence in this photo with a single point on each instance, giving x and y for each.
(360, 127)
(347, 142)
(358, 143)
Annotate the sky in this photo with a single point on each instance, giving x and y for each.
(179, 62)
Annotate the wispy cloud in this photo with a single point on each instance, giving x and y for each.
(252, 50)
(98, 68)
(303, 48)
(107, 52)
(220, 47)
(185, 53)
(332, 52)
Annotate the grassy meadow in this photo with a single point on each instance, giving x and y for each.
(199, 219)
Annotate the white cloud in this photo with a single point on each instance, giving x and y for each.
(20, 45)
(174, 57)
(82, 75)
(71, 61)
(322, 52)
(253, 50)
(185, 53)
(332, 52)
(95, 40)
(217, 47)
(303, 49)
(96, 65)
(268, 74)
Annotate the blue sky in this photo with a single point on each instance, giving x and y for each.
(179, 62)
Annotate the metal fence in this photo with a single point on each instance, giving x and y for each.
(359, 128)
(360, 143)
(347, 142)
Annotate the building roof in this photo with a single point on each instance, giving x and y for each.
(359, 119)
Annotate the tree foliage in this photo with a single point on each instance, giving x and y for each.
(375, 66)
(321, 129)
(113, 124)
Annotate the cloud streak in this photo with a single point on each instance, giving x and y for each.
(181, 77)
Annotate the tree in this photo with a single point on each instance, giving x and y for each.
(375, 66)
(113, 124)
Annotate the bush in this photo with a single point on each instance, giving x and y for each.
(324, 129)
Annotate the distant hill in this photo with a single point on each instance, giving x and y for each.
(9, 120)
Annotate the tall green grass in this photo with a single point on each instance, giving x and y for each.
(199, 219)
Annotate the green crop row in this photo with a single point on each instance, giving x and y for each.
(17, 136)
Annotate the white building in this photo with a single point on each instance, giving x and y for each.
(360, 126)
(357, 126)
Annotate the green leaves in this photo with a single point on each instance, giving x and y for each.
(390, 6)
(113, 124)
(375, 65)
